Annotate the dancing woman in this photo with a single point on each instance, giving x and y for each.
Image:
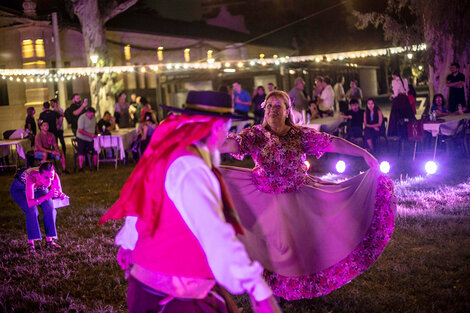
(312, 236)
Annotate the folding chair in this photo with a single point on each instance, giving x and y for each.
(106, 145)
(75, 155)
(458, 137)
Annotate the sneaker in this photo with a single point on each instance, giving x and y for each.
(30, 249)
(66, 172)
(52, 245)
(81, 170)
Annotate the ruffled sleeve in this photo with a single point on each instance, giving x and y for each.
(246, 140)
(314, 142)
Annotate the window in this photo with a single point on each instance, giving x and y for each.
(40, 48)
(127, 52)
(27, 48)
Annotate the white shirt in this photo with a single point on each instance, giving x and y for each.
(327, 98)
(195, 191)
(398, 87)
(339, 92)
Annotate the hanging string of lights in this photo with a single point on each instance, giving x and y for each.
(45, 75)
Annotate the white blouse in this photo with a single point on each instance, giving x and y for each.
(398, 87)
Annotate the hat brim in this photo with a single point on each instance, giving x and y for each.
(232, 116)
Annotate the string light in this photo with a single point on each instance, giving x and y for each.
(72, 73)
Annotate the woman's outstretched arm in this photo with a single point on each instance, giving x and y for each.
(340, 145)
(230, 145)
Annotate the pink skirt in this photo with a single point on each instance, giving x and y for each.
(318, 238)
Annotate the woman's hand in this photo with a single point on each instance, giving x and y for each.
(53, 193)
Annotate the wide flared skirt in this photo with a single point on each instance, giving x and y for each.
(318, 238)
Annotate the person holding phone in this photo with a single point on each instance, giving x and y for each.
(74, 111)
(38, 186)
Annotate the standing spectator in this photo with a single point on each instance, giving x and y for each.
(46, 146)
(258, 98)
(412, 97)
(401, 107)
(241, 99)
(355, 117)
(121, 112)
(271, 87)
(327, 98)
(85, 136)
(60, 124)
(372, 122)
(106, 124)
(51, 117)
(30, 123)
(340, 96)
(223, 88)
(455, 83)
(354, 92)
(298, 97)
(73, 112)
(318, 88)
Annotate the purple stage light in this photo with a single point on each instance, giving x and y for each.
(340, 166)
(385, 167)
(430, 167)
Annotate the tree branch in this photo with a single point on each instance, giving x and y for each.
(116, 9)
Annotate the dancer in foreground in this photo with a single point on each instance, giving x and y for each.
(37, 186)
(180, 228)
(311, 236)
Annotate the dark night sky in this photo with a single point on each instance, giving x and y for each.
(331, 31)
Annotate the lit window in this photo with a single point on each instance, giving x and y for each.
(127, 52)
(209, 54)
(40, 48)
(186, 55)
(160, 53)
(27, 49)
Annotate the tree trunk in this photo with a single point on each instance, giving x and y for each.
(93, 32)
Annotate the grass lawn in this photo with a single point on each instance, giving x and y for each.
(425, 268)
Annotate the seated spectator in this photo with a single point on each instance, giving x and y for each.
(106, 124)
(46, 147)
(373, 119)
(438, 105)
(146, 130)
(355, 121)
(313, 110)
(51, 117)
(146, 108)
(85, 135)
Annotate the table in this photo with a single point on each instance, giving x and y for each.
(445, 128)
(123, 137)
(21, 146)
(327, 124)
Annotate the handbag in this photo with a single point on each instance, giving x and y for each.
(415, 130)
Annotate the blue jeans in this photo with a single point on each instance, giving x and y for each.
(18, 193)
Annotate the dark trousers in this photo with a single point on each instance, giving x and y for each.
(141, 299)
(60, 137)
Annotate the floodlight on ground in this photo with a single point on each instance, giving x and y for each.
(384, 167)
(307, 163)
(340, 166)
(430, 167)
